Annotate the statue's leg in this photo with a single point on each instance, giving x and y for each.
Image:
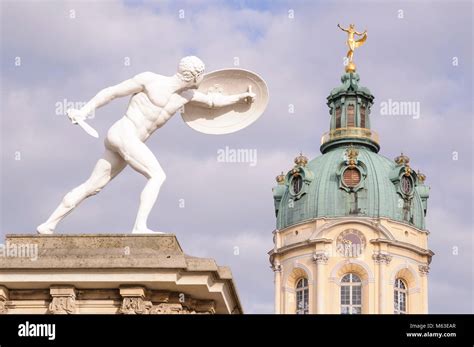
(106, 168)
(350, 54)
(142, 159)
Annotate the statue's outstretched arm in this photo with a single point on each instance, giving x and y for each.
(128, 87)
(360, 34)
(214, 100)
(342, 28)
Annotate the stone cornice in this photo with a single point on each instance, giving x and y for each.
(372, 220)
(404, 245)
(296, 245)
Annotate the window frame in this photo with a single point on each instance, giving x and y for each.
(398, 292)
(304, 291)
(351, 285)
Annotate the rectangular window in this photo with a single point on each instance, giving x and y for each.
(362, 116)
(338, 117)
(350, 115)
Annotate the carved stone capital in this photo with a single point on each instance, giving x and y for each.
(320, 258)
(3, 307)
(205, 306)
(134, 300)
(135, 305)
(3, 300)
(62, 305)
(138, 300)
(64, 300)
(382, 258)
(424, 270)
(169, 308)
(276, 267)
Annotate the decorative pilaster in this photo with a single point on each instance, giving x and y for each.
(424, 271)
(276, 267)
(4, 294)
(64, 300)
(320, 259)
(381, 258)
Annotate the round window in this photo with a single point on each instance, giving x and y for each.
(406, 185)
(297, 184)
(351, 177)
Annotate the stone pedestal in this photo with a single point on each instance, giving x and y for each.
(110, 273)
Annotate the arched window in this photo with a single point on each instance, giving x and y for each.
(351, 294)
(400, 297)
(302, 300)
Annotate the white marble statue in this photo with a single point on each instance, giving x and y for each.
(155, 99)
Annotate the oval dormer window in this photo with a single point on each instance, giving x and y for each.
(297, 184)
(406, 185)
(351, 177)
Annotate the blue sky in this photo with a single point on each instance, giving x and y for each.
(407, 59)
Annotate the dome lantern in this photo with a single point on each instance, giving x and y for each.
(349, 108)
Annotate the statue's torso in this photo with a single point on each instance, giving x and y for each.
(151, 109)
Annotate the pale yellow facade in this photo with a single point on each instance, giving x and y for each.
(389, 251)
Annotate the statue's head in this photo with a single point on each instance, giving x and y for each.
(351, 26)
(191, 70)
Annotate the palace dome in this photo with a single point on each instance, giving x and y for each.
(350, 178)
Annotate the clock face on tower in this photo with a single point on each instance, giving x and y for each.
(406, 185)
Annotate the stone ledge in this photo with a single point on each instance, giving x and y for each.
(100, 264)
(93, 251)
(103, 251)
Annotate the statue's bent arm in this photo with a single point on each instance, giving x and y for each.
(131, 86)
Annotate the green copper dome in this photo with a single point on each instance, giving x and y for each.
(350, 178)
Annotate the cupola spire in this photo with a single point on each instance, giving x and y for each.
(349, 106)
